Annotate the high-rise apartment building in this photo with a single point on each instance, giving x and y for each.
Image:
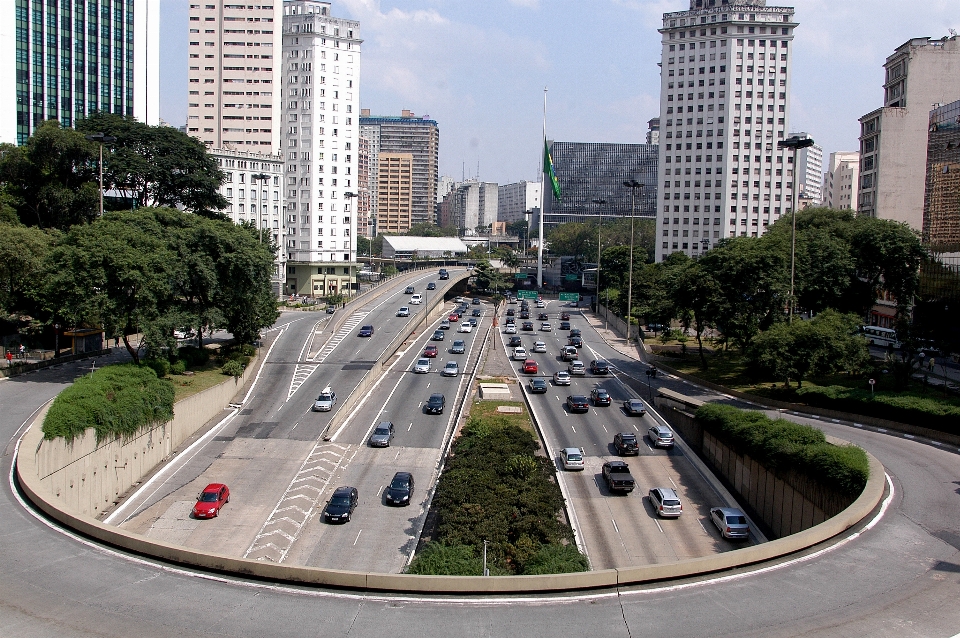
(364, 219)
(941, 209)
(921, 74)
(810, 172)
(394, 199)
(408, 133)
(66, 60)
(234, 90)
(320, 140)
(589, 171)
(653, 131)
(516, 201)
(470, 206)
(841, 179)
(724, 105)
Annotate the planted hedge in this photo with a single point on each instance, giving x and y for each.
(116, 401)
(783, 445)
(942, 415)
(496, 488)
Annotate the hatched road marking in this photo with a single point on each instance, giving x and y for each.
(303, 370)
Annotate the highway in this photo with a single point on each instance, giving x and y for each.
(617, 530)
(899, 577)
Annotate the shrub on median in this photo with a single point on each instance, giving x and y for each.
(938, 414)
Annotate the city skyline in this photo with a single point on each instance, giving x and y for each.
(481, 74)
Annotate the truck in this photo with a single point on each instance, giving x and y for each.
(617, 476)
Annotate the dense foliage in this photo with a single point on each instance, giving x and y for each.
(783, 445)
(116, 401)
(927, 412)
(496, 488)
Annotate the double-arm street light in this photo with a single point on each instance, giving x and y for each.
(796, 143)
(262, 178)
(101, 138)
(634, 186)
(348, 196)
(600, 203)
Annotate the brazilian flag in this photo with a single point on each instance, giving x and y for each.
(548, 170)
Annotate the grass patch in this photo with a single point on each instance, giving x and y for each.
(203, 379)
(488, 409)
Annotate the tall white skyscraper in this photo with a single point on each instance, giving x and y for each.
(516, 201)
(810, 172)
(320, 141)
(724, 105)
(65, 60)
(840, 181)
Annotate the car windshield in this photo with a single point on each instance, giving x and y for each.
(629, 438)
(399, 484)
(423, 362)
(574, 457)
(383, 431)
(324, 397)
(736, 520)
(635, 404)
(342, 501)
(580, 399)
(671, 502)
(209, 497)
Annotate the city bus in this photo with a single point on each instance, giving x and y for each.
(882, 337)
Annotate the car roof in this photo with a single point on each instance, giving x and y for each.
(538, 381)
(451, 363)
(436, 395)
(634, 401)
(578, 397)
(627, 435)
(214, 487)
(403, 475)
(729, 511)
(344, 490)
(571, 450)
(660, 428)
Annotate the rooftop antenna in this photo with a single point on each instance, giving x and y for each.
(463, 171)
(478, 170)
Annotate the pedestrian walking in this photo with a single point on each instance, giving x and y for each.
(23, 352)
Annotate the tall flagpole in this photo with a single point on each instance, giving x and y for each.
(543, 196)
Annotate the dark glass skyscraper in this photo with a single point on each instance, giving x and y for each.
(941, 206)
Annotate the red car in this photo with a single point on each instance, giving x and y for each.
(530, 366)
(453, 317)
(211, 499)
(564, 316)
(430, 351)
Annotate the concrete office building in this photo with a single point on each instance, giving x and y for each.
(320, 139)
(234, 90)
(919, 75)
(809, 173)
(841, 180)
(394, 198)
(253, 189)
(471, 207)
(941, 206)
(724, 105)
(365, 224)
(516, 201)
(408, 133)
(65, 60)
(589, 171)
(653, 131)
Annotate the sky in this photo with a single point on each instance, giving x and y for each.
(480, 68)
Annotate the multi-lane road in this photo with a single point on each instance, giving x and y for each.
(897, 577)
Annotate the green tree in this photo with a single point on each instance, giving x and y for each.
(427, 229)
(363, 246)
(157, 165)
(51, 181)
(696, 298)
(573, 239)
(23, 251)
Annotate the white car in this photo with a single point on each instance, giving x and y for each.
(451, 369)
(422, 366)
(561, 378)
(539, 346)
(417, 299)
(541, 304)
(572, 458)
(546, 327)
(465, 327)
(403, 312)
(519, 354)
(511, 329)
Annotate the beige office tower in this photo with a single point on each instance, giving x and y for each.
(234, 76)
(840, 180)
(320, 143)
(394, 196)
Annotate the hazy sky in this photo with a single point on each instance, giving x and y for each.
(479, 69)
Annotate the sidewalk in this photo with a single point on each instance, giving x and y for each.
(611, 338)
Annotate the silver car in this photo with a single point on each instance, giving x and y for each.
(382, 435)
(660, 436)
(326, 400)
(422, 366)
(451, 369)
(403, 312)
(561, 378)
(666, 502)
(458, 347)
(572, 458)
(731, 522)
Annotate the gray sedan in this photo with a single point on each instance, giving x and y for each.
(382, 435)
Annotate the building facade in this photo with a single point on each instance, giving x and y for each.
(809, 173)
(590, 171)
(893, 139)
(516, 201)
(234, 75)
(471, 207)
(394, 179)
(941, 205)
(66, 60)
(365, 225)
(653, 131)
(254, 192)
(320, 140)
(420, 137)
(724, 106)
(841, 179)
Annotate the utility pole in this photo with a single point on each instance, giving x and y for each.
(796, 143)
(634, 186)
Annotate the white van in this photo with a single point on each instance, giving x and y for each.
(416, 299)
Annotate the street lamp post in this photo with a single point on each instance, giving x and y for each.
(634, 186)
(796, 143)
(348, 196)
(101, 138)
(600, 203)
(262, 177)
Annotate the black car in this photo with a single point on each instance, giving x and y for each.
(527, 325)
(365, 331)
(576, 342)
(514, 342)
(476, 301)
(564, 325)
(409, 290)
(575, 332)
(578, 403)
(435, 404)
(331, 310)
(431, 286)
(599, 366)
(542, 317)
(438, 335)
(626, 443)
(400, 490)
(537, 385)
(600, 396)
(477, 312)
(341, 505)
(524, 314)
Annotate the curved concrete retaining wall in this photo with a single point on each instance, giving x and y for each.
(28, 474)
(87, 477)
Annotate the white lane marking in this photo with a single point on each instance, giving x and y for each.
(574, 429)
(397, 455)
(672, 483)
(380, 491)
(357, 538)
(410, 427)
(604, 428)
(615, 525)
(702, 527)
(658, 525)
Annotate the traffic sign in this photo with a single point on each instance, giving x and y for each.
(527, 294)
(520, 275)
(569, 296)
(570, 277)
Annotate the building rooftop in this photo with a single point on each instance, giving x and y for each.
(407, 243)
